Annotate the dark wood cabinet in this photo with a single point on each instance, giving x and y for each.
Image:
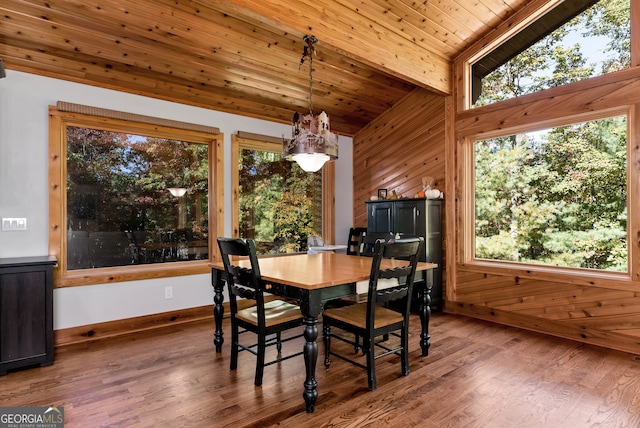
(26, 312)
(413, 217)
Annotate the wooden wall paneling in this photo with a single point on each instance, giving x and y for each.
(396, 150)
(573, 329)
(401, 164)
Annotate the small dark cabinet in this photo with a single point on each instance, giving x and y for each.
(26, 312)
(409, 218)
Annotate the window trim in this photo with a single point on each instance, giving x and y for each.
(538, 271)
(58, 122)
(272, 144)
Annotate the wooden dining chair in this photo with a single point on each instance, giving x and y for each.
(267, 318)
(371, 320)
(353, 242)
(368, 242)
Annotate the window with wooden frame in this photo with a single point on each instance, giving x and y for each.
(131, 197)
(275, 202)
(557, 43)
(553, 197)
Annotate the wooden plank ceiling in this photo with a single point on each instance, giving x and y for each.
(243, 56)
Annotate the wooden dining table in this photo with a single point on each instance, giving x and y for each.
(312, 280)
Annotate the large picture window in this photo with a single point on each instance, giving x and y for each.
(130, 200)
(134, 199)
(556, 197)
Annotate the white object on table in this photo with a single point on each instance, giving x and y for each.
(325, 248)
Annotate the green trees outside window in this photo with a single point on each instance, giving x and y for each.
(556, 197)
(133, 199)
(280, 205)
(596, 42)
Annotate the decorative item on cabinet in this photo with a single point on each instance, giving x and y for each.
(26, 312)
(413, 218)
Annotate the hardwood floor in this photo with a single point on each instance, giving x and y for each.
(477, 374)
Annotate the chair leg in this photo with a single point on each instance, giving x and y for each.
(326, 335)
(369, 351)
(356, 345)
(404, 354)
(260, 359)
(278, 343)
(234, 346)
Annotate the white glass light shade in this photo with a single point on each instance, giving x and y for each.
(311, 162)
(177, 191)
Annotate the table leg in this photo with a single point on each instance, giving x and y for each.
(310, 393)
(218, 309)
(425, 315)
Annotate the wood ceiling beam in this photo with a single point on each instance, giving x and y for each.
(339, 26)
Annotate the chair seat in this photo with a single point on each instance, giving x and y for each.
(357, 315)
(363, 286)
(276, 312)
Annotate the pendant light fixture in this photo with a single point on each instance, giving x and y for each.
(312, 143)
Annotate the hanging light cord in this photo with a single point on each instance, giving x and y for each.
(309, 50)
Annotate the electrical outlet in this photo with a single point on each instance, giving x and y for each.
(168, 292)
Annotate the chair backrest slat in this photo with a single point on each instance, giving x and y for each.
(368, 241)
(241, 281)
(399, 249)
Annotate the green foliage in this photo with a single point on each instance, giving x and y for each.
(280, 204)
(117, 184)
(558, 59)
(556, 197)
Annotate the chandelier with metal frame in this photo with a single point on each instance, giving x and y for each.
(312, 143)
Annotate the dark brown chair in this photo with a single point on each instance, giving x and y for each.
(371, 320)
(266, 318)
(354, 239)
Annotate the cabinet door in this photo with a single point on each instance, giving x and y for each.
(379, 217)
(409, 219)
(433, 235)
(23, 316)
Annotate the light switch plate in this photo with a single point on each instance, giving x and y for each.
(14, 224)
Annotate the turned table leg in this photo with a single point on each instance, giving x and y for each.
(218, 310)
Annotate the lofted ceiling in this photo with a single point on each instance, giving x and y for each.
(243, 56)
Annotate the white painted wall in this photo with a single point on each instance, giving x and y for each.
(24, 101)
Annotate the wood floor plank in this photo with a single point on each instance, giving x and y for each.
(477, 374)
